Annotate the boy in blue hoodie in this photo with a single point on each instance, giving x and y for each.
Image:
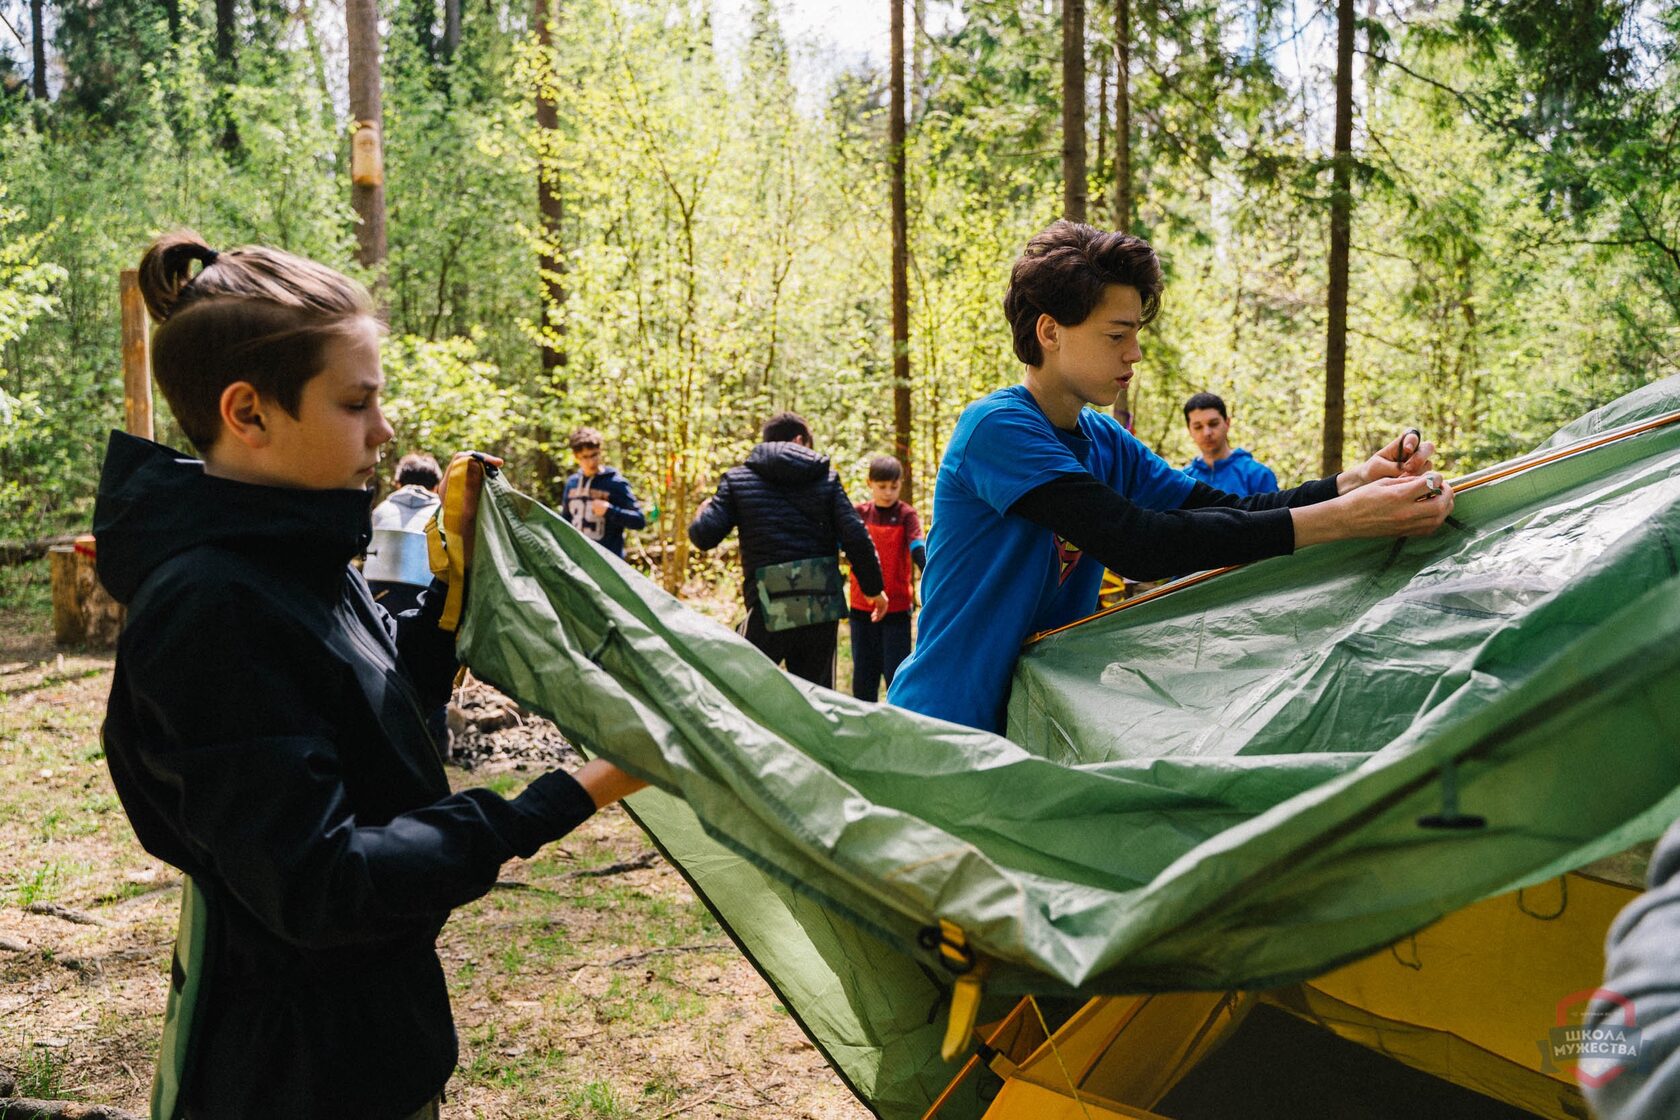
(1235, 472)
(597, 499)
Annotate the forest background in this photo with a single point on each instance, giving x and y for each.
(595, 212)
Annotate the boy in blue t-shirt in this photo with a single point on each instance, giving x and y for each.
(1037, 493)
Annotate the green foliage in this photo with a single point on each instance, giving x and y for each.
(26, 284)
(41, 1076)
(724, 236)
(444, 397)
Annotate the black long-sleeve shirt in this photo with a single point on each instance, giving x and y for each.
(1212, 529)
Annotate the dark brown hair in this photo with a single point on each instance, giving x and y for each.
(885, 468)
(584, 437)
(1204, 400)
(785, 427)
(1062, 274)
(418, 469)
(251, 314)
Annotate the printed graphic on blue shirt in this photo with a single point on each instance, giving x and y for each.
(580, 510)
(1067, 555)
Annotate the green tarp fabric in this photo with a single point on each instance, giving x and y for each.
(1219, 788)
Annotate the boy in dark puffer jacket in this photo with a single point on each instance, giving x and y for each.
(789, 506)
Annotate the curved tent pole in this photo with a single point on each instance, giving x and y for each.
(1468, 482)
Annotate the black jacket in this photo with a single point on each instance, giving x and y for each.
(788, 506)
(266, 734)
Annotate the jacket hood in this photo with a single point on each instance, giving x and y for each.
(787, 463)
(413, 497)
(1237, 455)
(155, 503)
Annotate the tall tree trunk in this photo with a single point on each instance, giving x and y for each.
(918, 59)
(1122, 114)
(900, 258)
(37, 51)
(1341, 228)
(361, 25)
(1073, 110)
(224, 36)
(551, 262)
(1102, 130)
(227, 68)
(422, 13)
(1123, 144)
(318, 66)
(451, 29)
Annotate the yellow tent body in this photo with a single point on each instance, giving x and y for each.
(1454, 1021)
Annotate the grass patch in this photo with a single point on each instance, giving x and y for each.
(663, 1086)
(40, 1073)
(506, 784)
(599, 1100)
(39, 885)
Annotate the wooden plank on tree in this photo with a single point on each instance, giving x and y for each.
(137, 358)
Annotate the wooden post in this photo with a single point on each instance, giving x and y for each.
(67, 609)
(83, 611)
(137, 358)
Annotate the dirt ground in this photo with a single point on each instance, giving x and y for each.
(591, 983)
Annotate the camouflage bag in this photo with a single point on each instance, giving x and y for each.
(801, 592)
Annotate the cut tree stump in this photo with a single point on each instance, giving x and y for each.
(83, 611)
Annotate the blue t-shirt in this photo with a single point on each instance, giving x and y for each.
(993, 580)
(1239, 473)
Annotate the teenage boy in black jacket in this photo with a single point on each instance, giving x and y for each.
(790, 506)
(266, 729)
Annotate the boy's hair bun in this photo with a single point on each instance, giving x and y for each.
(254, 314)
(166, 269)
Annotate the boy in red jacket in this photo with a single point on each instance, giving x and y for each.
(879, 647)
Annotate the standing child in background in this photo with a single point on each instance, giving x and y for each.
(415, 499)
(597, 499)
(407, 509)
(878, 648)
